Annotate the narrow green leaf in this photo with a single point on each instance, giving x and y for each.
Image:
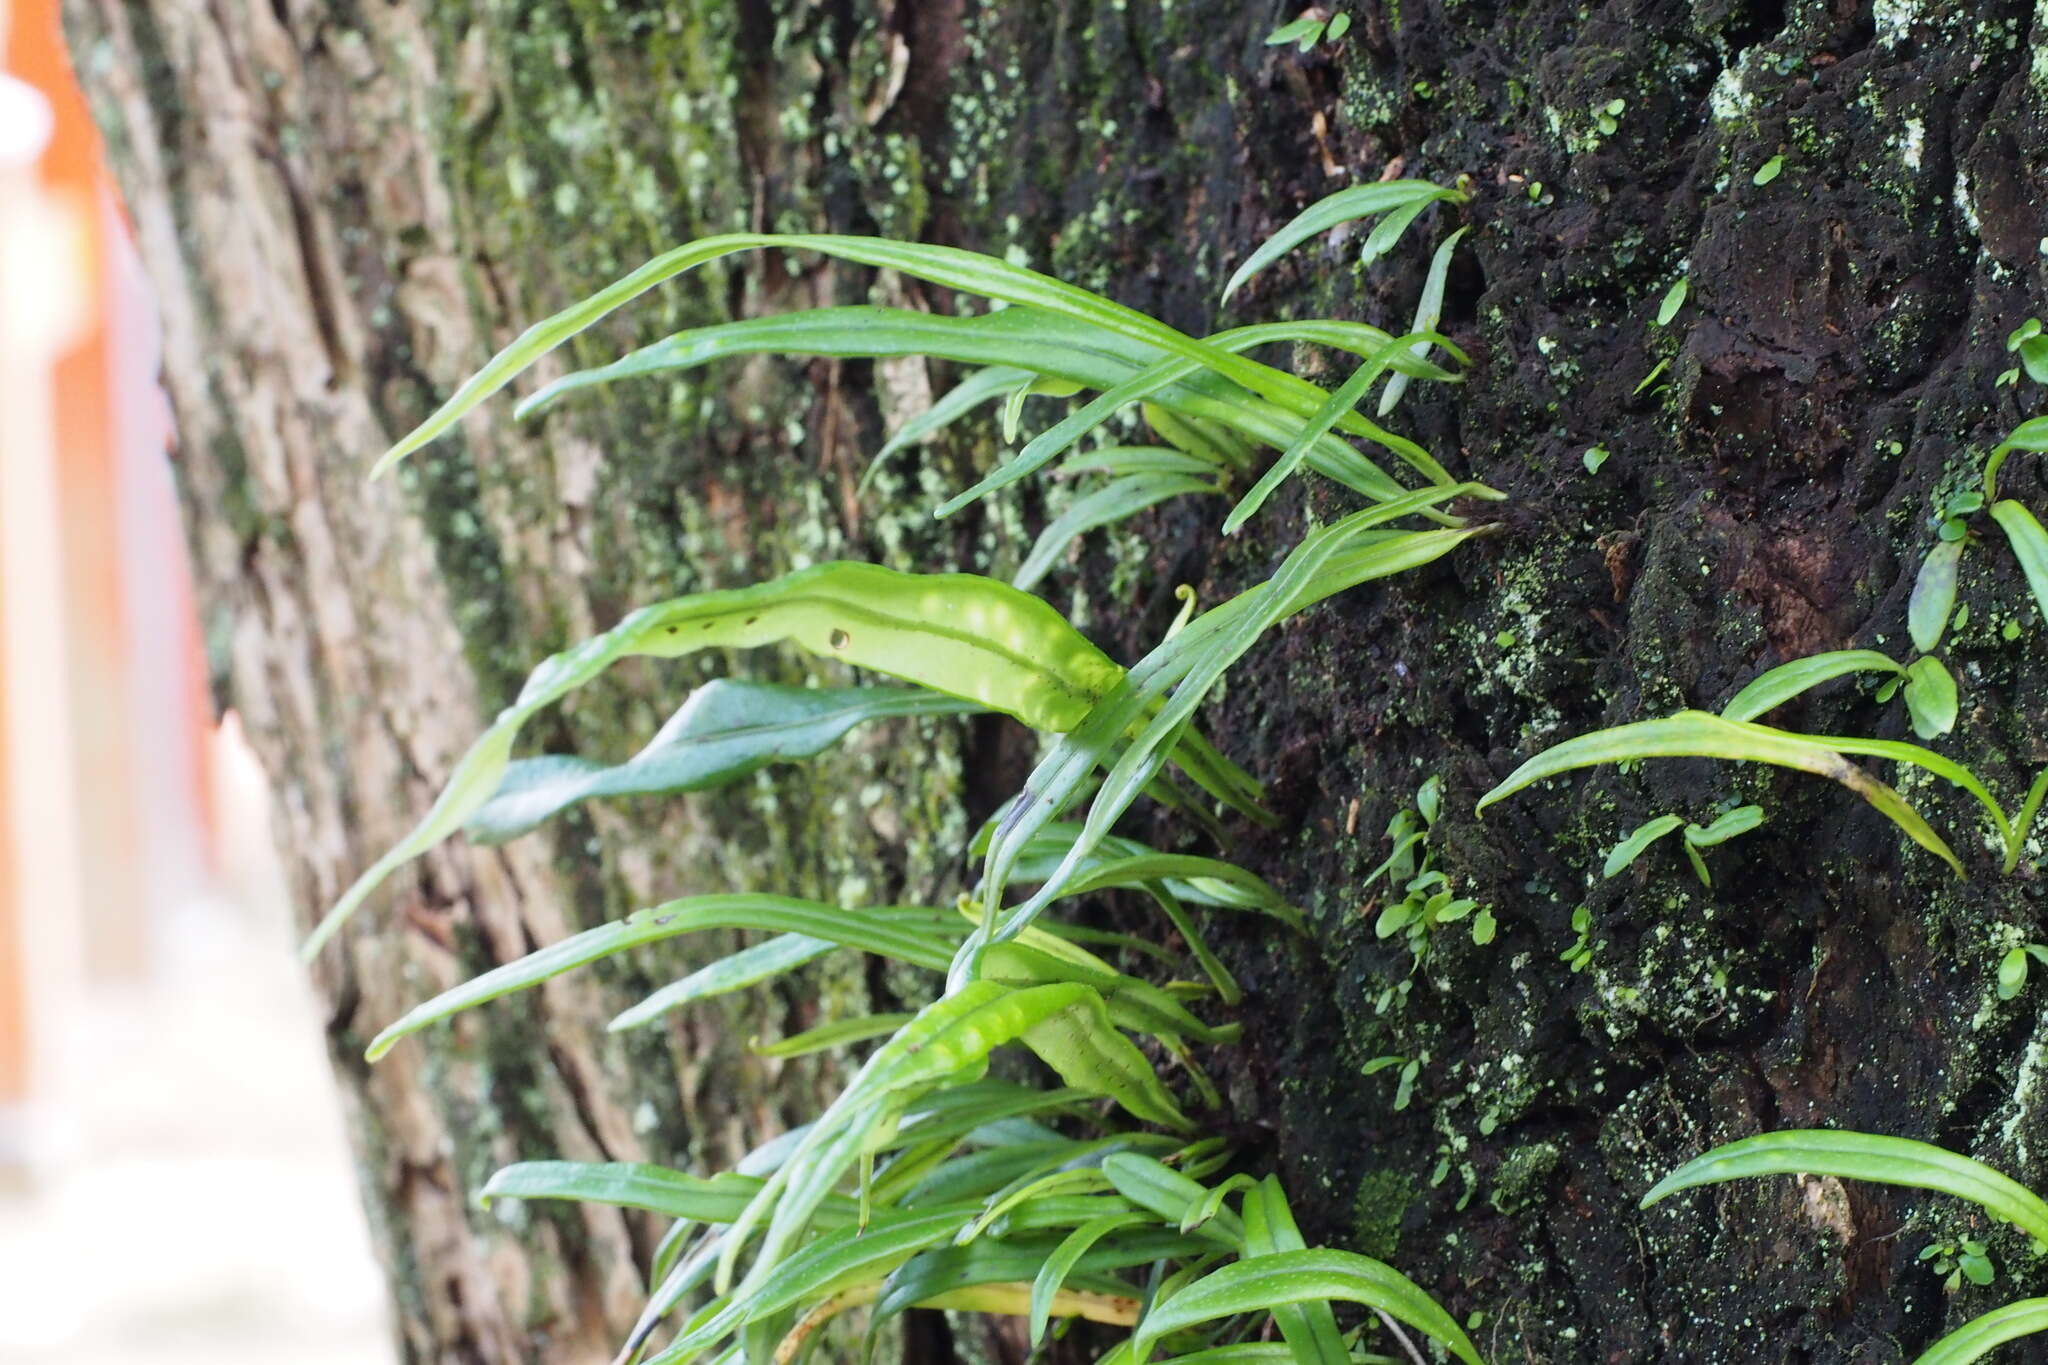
(1158, 380)
(1052, 1274)
(1779, 685)
(1171, 1196)
(983, 386)
(1768, 172)
(1930, 697)
(2023, 823)
(950, 1038)
(1300, 1277)
(947, 267)
(1975, 1339)
(961, 634)
(1327, 416)
(1104, 506)
(1696, 734)
(1934, 595)
(631, 1185)
(2029, 544)
(1031, 345)
(1699, 866)
(1309, 1328)
(1389, 230)
(912, 934)
(1639, 839)
(1206, 881)
(840, 1032)
(1429, 310)
(945, 1276)
(1330, 559)
(727, 729)
(748, 967)
(1251, 1353)
(844, 1256)
(1127, 460)
(1344, 206)
(1863, 1156)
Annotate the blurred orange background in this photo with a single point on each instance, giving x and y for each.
(173, 1181)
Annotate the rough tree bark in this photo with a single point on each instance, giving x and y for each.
(348, 205)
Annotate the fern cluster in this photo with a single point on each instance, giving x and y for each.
(928, 1182)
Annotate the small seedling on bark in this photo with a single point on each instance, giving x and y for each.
(1732, 821)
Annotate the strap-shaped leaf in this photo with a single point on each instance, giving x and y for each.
(1263, 1283)
(857, 1029)
(1020, 341)
(1327, 561)
(937, 1276)
(951, 1036)
(1114, 502)
(1309, 1328)
(835, 1261)
(727, 729)
(1172, 1196)
(961, 634)
(1976, 1338)
(1772, 689)
(914, 934)
(634, 1185)
(1863, 1156)
(1206, 881)
(1696, 734)
(1053, 1271)
(981, 387)
(1161, 382)
(1078, 1184)
(1126, 460)
(2029, 545)
(748, 967)
(1122, 862)
(1328, 415)
(1029, 342)
(1066, 1024)
(949, 1177)
(1344, 206)
(947, 267)
(1429, 310)
(2023, 822)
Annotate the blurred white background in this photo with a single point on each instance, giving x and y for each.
(174, 1185)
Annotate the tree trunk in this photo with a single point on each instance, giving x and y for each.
(348, 206)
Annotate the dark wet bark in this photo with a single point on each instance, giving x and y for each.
(348, 206)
